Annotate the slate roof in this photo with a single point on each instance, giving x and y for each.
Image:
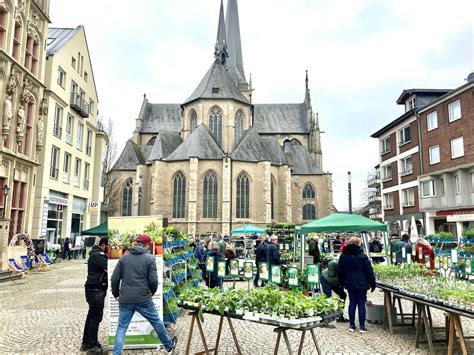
(301, 162)
(160, 117)
(131, 157)
(200, 144)
(217, 76)
(281, 118)
(58, 37)
(234, 45)
(408, 92)
(165, 144)
(145, 151)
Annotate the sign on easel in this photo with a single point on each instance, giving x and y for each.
(312, 274)
(276, 274)
(263, 271)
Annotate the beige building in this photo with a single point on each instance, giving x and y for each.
(23, 32)
(69, 189)
(219, 161)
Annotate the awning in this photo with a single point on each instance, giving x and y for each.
(248, 230)
(100, 230)
(341, 222)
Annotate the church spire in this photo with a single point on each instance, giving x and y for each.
(220, 52)
(236, 62)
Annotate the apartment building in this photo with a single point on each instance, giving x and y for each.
(400, 163)
(447, 179)
(374, 195)
(23, 32)
(69, 190)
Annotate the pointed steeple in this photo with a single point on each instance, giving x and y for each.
(235, 62)
(220, 52)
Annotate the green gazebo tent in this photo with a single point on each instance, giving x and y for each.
(100, 230)
(341, 222)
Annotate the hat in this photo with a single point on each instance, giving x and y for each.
(143, 239)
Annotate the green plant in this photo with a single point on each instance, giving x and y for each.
(468, 233)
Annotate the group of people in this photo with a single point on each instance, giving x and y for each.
(266, 251)
(404, 247)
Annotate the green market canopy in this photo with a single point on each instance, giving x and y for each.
(248, 230)
(341, 222)
(100, 230)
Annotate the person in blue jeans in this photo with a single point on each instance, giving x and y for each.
(355, 274)
(134, 282)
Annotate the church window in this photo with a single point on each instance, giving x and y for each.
(152, 141)
(308, 191)
(127, 198)
(309, 212)
(192, 121)
(215, 122)
(179, 195)
(215, 90)
(239, 126)
(210, 195)
(243, 196)
(272, 196)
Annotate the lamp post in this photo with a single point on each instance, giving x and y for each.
(5, 191)
(349, 190)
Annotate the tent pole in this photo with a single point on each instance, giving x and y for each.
(387, 248)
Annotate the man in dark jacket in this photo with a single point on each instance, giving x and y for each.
(271, 251)
(96, 288)
(357, 276)
(260, 257)
(314, 250)
(134, 282)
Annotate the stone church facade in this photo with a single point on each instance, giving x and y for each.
(218, 161)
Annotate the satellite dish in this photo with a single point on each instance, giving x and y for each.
(470, 78)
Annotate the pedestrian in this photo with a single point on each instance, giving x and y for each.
(67, 249)
(375, 246)
(212, 279)
(134, 283)
(343, 244)
(426, 252)
(330, 282)
(260, 257)
(271, 251)
(405, 244)
(222, 247)
(96, 289)
(314, 250)
(356, 275)
(200, 255)
(229, 255)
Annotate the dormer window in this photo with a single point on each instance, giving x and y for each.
(215, 90)
(410, 104)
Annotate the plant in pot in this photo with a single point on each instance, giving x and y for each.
(115, 244)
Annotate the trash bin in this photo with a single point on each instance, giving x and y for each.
(375, 313)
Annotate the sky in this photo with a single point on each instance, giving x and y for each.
(360, 55)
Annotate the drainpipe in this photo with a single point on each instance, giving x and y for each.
(420, 154)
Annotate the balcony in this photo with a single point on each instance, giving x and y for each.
(79, 105)
(86, 184)
(375, 197)
(373, 181)
(57, 131)
(54, 173)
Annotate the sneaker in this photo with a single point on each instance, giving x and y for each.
(363, 330)
(174, 342)
(95, 350)
(352, 328)
(85, 347)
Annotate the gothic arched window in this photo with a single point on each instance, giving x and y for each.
(127, 194)
(179, 195)
(239, 126)
(209, 197)
(309, 212)
(215, 122)
(272, 196)
(308, 191)
(152, 141)
(243, 196)
(192, 121)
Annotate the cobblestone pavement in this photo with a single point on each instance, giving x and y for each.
(45, 312)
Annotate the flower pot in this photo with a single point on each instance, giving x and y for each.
(115, 253)
(158, 249)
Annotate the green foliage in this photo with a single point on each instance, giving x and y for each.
(468, 233)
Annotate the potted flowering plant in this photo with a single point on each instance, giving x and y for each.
(115, 244)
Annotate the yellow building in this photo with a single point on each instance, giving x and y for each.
(23, 32)
(69, 190)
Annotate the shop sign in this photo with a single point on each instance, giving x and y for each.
(57, 200)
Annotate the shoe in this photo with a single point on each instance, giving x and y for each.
(363, 330)
(174, 342)
(85, 347)
(352, 328)
(95, 350)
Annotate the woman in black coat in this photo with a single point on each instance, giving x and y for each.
(357, 276)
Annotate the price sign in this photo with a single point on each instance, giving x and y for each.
(234, 267)
(221, 269)
(445, 263)
(413, 249)
(276, 274)
(468, 266)
(454, 256)
(404, 253)
(263, 271)
(427, 261)
(394, 258)
(312, 274)
(436, 262)
(281, 246)
(420, 254)
(293, 279)
(210, 264)
(287, 246)
(409, 260)
(248, 270)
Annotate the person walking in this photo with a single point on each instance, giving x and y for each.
(222, 247)
(200, 255)
(356, 275)
(67, 249)
(134, 282)
(330, 282)
(212, 279)
(403, 243)
(314, 250)
(260, 257)
(96, 289)
(375, 246)
(272, 253)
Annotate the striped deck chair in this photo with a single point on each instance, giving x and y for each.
(16, 268)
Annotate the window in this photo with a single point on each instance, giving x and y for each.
(410, 104)
(89, 142)
(272, 196)
(91, 106)
(243, 196)
(152, 141)
(210, 196)
(427, 188)
(17, 41)
(388, 201)
(127, 198)
(3, 26)
(31, 54)
(454, 110)
(215, 90)
(406, 166)
(61, 77)
(19, 195)
(215, 122)
(432, 121)
(309, 212)
(77, 168)
(239, 126)
(86, 76)
(73, 62)
(192, 121)
(58, 118)
(53, 173)
(69, 125)
(457, 147)
(28, 128)
(434, 155)
(457, 184)
(308, 191)
(74, 87)
(404, 135)
(179, 195)
(408, 197)
(386, 172)
(385, 145)
(441, 187)
(472, 182)
(86, 176)
(80, 132)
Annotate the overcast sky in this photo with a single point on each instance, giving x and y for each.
(360, 55)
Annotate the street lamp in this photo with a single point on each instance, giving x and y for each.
(5, 191)
(349, 190)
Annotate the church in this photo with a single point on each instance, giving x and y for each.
(218, 161)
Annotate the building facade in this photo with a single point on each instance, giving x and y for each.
(23, 32)
(219, 161)
(69, 189)
(447, 180)
(400, 162)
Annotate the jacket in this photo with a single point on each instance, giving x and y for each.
(272, 254)
(137, 271)
(200, 253)
(261, 253)
(230, 253)
(212, 280)
(401, 244)
(222, 247)
(343, 245)
(97, 269)
(314, 251)
(426, 251)
(330, 274)
(355, 270)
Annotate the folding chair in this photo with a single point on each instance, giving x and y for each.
(45, 259)
(13, 265)
(26, 262)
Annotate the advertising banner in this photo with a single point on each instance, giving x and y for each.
(140, 333)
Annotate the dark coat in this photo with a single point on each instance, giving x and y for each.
(212, 280)
(355, 270)
(314, 251)
(261, 253)
(272, 254)
(137, 271)
(97, 269)
(200, 253)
